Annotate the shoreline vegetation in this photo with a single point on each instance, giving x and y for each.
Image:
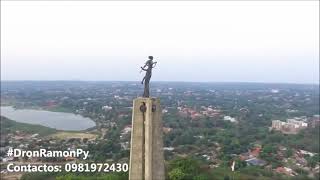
(9, 126)
(49, 109)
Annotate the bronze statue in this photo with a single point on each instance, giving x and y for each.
(148, 68)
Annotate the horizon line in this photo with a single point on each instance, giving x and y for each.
(208, 82)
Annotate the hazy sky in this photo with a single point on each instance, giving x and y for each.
(192, 41)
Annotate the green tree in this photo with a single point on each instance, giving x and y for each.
(289, 152)
(188, 166)
(201, 177)
(177, 174)
(312, 161)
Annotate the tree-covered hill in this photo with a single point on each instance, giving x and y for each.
(9, 126)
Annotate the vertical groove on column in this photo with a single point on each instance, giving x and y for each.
(146, 154)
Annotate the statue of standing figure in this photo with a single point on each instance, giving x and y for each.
(149, 65)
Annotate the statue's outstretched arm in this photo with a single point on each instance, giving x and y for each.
(143, 68)
(154, 64)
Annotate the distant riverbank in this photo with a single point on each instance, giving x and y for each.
(10, 126)
(56, 120)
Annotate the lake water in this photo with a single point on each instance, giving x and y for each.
(57, 120)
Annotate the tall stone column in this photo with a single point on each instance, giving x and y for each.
(146, 153)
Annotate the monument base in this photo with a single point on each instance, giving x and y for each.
(146, 153)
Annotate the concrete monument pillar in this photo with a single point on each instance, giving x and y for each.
(146, 153)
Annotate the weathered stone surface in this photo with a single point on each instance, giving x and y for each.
(146, 154)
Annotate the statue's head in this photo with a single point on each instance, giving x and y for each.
(150, 57)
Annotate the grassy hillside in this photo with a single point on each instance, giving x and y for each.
(8, 126)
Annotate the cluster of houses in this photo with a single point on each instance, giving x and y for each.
(297, 160)
(106, 108)
(189, 112)
(229, 118)
(285, 170)
(292, 126)
(251, 157)
(209, 111)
